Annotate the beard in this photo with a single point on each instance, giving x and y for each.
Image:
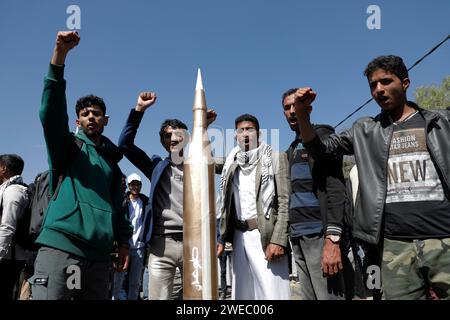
(92, 133)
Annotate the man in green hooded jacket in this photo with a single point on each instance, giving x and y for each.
(84, 216)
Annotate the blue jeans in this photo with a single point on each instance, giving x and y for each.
(136, 263)
(145, 280)
(223, 270)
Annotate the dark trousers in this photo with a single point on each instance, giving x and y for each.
(9, 276)
(223, 270)
(313, 285)
(63, 276)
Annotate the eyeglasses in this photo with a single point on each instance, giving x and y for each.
(249, 130)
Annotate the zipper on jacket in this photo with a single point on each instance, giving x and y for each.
(386, 168)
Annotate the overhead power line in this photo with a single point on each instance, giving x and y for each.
(415, 64)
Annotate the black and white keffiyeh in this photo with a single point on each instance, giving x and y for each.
(247, 161)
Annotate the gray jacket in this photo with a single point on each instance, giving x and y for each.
(369, 140)
(13, 201)
(275, 229)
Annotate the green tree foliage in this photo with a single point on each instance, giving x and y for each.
(434, 97)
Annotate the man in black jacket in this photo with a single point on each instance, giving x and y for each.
(316, 214)
(403, 162)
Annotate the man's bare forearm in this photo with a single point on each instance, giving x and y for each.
(58, 57)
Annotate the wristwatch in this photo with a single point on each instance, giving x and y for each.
(335, 238)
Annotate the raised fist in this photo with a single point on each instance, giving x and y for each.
(66, 40)
(211, 116)
(303, 99)
(145, 100)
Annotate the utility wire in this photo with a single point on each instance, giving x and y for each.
(415, 64)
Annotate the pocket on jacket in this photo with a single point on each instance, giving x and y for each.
(97, 225)
(57, 216)
(89, 224)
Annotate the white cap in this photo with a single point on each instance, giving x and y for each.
(133, 177)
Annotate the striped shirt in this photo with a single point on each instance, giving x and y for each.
(304, 210)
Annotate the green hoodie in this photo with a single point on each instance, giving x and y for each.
(86, 216)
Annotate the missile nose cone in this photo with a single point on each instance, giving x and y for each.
(199, 85)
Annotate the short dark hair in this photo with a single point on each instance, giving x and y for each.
(13, 163)
(174, 123)
(88, 101)
(287, 94)
(391, 63)
(246, 117)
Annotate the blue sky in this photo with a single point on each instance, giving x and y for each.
(249, 51)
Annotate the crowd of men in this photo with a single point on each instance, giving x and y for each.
(270, 205)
